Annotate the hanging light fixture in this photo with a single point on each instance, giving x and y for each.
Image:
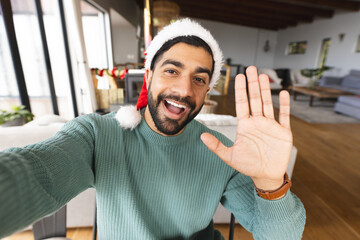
(164, 12)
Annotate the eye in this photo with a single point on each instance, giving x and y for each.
(171, 71)
(200, 80)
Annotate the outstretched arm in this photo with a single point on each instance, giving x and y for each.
(39, 179)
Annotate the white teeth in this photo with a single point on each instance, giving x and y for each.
(175, 104)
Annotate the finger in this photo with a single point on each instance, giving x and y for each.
(254, 91)
(268, 108)
(241, 99)
(284, 114)
(216, 147)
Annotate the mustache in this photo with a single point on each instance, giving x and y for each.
(184, 100)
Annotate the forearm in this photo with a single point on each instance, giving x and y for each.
(282, 219)
(38, 179)
(265, 219)
(22, 198)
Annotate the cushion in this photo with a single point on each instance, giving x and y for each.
(299, 79)
(350, 100)
(271, 73)
(351, 81)
(46, 120)
(347, 109)
(355, 73)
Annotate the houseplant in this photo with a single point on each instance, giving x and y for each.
(19, 115)
(314, 74)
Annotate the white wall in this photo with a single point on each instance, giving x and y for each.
(244, 45)
(124, 41)
(341, 54)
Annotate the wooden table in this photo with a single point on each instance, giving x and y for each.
(319, 92)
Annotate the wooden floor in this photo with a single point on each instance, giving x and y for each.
(326, 178)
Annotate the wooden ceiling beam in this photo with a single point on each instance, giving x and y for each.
(273, 5)
(253, 12)
(241, 6)
(255, 24)
(240, 17)
(332, 4)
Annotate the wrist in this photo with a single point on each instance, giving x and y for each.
(268, 184)
(268, 188)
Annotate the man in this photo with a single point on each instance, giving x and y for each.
(154, 170)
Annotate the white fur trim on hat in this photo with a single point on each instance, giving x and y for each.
(186, 27)
(128, 117)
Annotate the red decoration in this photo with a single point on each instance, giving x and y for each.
(123, 73)
(142, 100)
(113, 72)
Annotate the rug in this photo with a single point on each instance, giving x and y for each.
(322, 111)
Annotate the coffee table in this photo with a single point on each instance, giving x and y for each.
(319, 92)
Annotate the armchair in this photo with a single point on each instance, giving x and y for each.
(298, 79)
(275, 81)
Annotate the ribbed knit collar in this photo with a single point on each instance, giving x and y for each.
(156, 138)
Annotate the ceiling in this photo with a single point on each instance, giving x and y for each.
(265, 14)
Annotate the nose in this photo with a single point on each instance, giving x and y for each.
(183, 86)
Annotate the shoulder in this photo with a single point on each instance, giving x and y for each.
(92, 122)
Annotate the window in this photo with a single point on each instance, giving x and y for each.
(43, 88)
(9, 93)
(358, 45)
(323, 52)
(55, 42)
(93, 22)
(32, 56)
(297, 47)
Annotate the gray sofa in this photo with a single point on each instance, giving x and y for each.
(349, 83)
(349, 105)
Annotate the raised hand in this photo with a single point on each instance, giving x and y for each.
(262, 147)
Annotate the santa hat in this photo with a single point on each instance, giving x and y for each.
(129, 116)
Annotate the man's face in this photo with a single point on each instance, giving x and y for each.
(177, 87)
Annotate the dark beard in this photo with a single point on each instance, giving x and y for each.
(169, 126)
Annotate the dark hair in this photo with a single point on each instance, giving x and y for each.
(191, 40)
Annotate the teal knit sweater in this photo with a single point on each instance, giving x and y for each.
(147, 186)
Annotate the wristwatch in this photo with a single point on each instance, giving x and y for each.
(274, 194)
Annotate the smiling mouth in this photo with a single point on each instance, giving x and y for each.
(174, 108)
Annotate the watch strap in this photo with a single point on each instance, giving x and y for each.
(274, 194)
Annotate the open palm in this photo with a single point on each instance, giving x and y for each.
(262, 147)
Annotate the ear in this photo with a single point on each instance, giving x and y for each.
(148, 76)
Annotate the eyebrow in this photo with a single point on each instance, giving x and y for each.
(203, 70)
(173, 62)
(180, 65)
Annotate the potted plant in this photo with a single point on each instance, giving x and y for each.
(19, 115)
(314, 74)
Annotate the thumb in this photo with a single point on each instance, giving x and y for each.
(216, 147)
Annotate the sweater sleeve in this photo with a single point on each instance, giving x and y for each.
(38, 179)
(265, 219)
